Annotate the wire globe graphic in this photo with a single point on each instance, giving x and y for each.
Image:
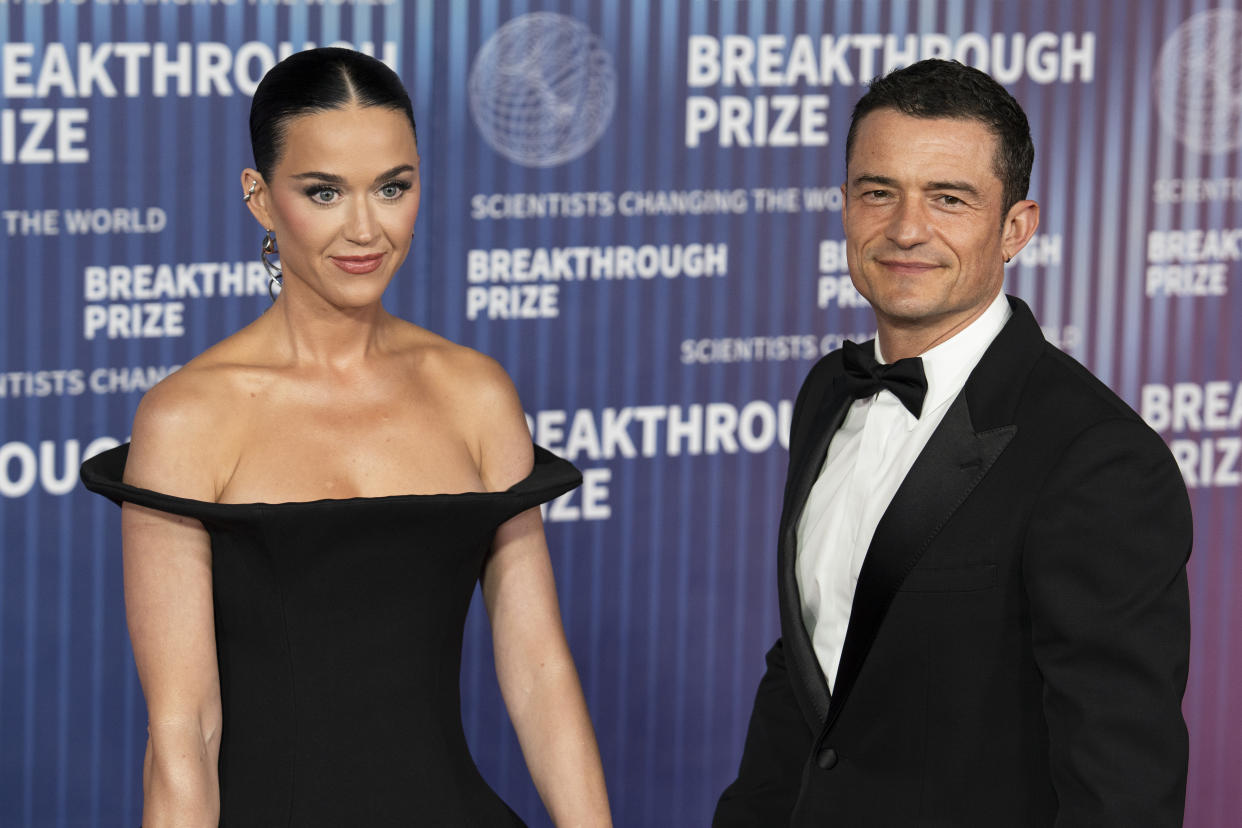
(542, 89)
(1198, 82)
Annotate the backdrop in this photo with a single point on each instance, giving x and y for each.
(632, 205)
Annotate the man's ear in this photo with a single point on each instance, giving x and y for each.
(1019, 226)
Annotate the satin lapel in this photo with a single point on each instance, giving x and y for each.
(809, 459)
(810, 686)
(952, 464)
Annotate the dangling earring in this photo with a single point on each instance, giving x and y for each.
(273, 271)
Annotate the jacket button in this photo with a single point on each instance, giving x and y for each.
(827, 759)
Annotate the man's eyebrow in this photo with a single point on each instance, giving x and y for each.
(885, 181)
(332, 178)
(868, 178)
(960, 186)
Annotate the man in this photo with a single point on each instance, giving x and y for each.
(984, 611)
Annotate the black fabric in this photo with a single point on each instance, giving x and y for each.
(865, 376)
(339, 630)
(1018, 641)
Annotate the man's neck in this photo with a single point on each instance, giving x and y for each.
(899, 339)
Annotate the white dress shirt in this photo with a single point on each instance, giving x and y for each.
(867, 459)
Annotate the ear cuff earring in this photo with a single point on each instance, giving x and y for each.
(250, 192)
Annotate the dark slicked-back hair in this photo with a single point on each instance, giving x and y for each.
(947, 89)
(318, 80)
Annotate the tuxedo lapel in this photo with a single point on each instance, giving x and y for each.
(809, 451)
(952, 464)
(809, 459)
(954, 461)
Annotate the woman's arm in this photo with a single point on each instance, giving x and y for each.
(533, 664)
(168, 604)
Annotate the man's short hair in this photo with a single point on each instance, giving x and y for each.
(947, 89)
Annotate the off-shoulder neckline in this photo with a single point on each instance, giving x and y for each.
(103, 474)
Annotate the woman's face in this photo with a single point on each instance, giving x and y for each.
(342, 202)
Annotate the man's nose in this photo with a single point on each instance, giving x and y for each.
(910, 223)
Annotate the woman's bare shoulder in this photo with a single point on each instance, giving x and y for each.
(461, 373)
(482, 400)
(183, 438)
(207, 385)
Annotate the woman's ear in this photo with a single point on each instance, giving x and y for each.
(256, 196)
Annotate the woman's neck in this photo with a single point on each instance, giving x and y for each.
(310, 332)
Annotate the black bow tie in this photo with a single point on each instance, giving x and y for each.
(904, 378)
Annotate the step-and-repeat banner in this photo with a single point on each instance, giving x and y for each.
(634, 206)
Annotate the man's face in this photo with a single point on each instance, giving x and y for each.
(923, 222)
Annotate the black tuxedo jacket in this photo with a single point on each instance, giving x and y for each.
(1017, 647)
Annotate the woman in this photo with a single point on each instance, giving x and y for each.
(296, 578)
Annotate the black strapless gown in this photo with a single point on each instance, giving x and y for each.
(338, 631)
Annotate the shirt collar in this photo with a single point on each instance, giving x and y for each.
(948, 364)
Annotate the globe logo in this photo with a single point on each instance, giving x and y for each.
(1198, 82)
(542, 89)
